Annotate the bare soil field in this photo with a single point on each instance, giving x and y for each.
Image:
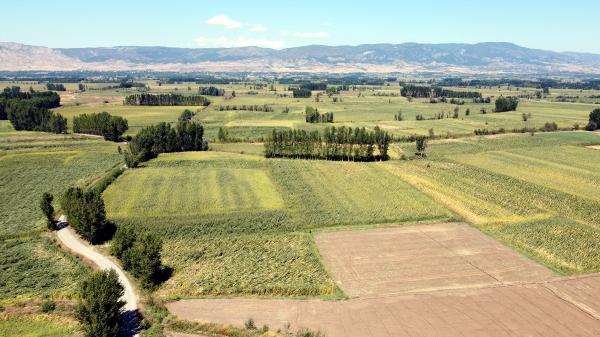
(424, 280)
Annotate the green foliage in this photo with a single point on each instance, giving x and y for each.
(48, 306)
(102, 124)
(162, 138)
(186, 116)
(165, 100)
(99, 309)
(47, 209)
(85, 213)
(594, 122)
(56, 87)
(504, 104)
(143, 258)
(301, 93)
(29, 110)
(122, 241)
(335, 144)
(313, 115)
(211, 91)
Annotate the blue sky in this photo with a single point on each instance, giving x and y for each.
(553, 25)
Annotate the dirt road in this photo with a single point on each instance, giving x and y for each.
(73, 242)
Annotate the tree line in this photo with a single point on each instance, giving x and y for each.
(163, 138)
(314, 116)
(343, 143)
(102, 124)
(301, 93)
(56, 87)
(314, 86)
(255, 107)
(594, 122)
(30, 110)
(165, 100)
(211, 91)
(86, 214)
(417, 91)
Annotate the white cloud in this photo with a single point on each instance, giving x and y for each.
(326, 24)
(224, 42)
(258, 28)
(317, 35)
(225, 21)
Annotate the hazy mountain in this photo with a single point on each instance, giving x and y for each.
(488, 57)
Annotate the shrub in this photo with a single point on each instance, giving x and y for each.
(549, 127)
(48, 306)
(249, 324)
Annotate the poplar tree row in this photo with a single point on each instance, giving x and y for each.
(30, 110)
(165, 100)
(343, 143)
(416, 91)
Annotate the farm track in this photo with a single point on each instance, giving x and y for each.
(77, 246)
(424, 280)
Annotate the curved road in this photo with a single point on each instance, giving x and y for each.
(69, 239)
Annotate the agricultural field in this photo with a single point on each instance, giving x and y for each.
(38, 325)
(240, 224)
(30, 164)
(361, 106)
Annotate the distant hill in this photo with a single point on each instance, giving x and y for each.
(490, 57)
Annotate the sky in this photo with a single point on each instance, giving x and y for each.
(551, 24)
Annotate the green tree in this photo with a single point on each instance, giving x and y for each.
(122, 241)
(594, 122)
(47, 209)
(144, 259)
(86, 214)
(100, 306)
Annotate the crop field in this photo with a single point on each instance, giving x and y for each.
(238, 224)
(366, 106)
(39, 325)
(538, 198)
(32, 266)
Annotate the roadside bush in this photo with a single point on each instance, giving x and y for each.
(549, 127)
(100, 306)
(140, 255)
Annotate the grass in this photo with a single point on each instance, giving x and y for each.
(39, 325)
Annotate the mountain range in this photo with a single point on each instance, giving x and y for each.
(409, 58)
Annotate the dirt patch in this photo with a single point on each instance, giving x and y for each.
(422, 258)
(424, 280)
(595, 147)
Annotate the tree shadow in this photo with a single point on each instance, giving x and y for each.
(130, 325)
(165, 273)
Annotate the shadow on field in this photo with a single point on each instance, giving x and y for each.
(131, 324)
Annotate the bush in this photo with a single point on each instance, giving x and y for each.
(99, 309)
(549, 127)
(249, 324)
(48, 306)
(140, 255)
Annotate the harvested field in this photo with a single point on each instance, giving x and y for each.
(423, 280)
(421, 258)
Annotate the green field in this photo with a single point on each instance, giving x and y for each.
(239, 224)
(358, 107)
(40, 325)
(32, 266)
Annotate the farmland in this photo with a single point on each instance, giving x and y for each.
(30, 164)
(37, 325)
(236, 224)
